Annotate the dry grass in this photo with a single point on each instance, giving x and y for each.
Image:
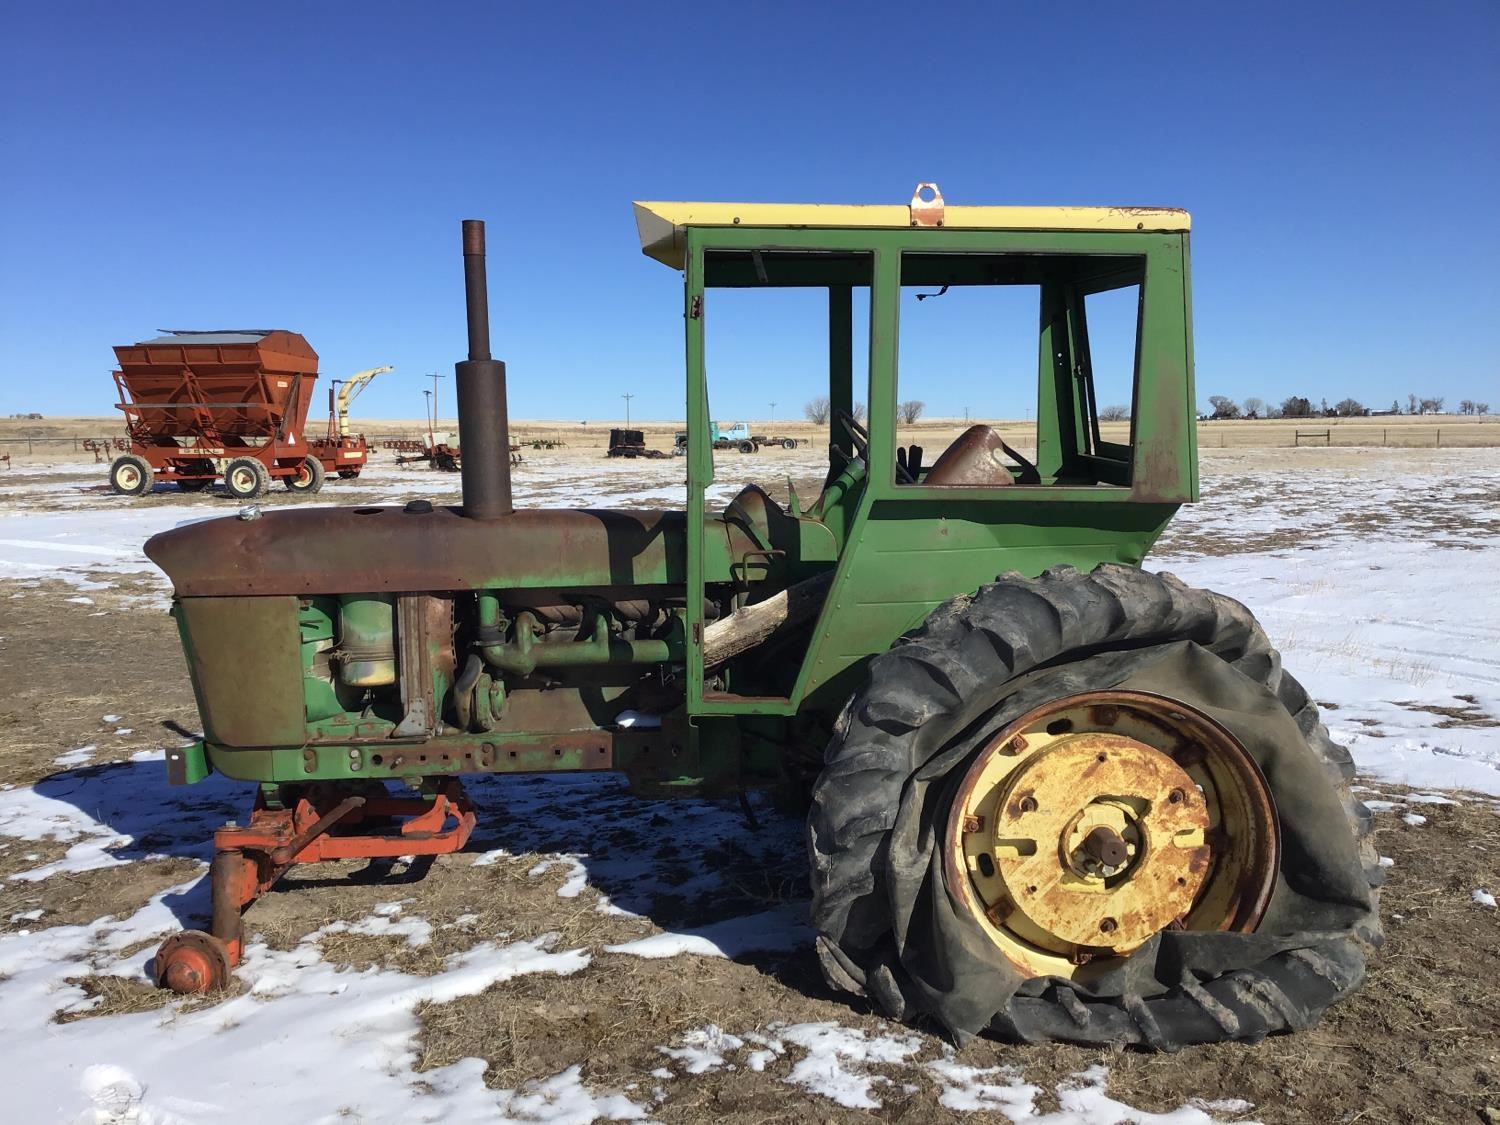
(1399, 432)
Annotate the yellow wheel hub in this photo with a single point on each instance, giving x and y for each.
(1100, 819)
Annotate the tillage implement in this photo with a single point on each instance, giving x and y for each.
(1049, 794)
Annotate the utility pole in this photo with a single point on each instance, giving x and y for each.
(435, 378)
(627, 399)
(773, 414)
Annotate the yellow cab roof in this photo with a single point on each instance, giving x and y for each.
(662, 226)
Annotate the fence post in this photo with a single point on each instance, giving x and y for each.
(1439, 441)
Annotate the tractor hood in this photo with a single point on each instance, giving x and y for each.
(420, 547)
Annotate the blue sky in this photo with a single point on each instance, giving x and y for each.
(305, 166)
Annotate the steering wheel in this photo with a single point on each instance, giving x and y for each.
(859, 438)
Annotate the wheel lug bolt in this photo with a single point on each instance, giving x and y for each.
(1177, 796)
(1026, 804)
(1108, 926)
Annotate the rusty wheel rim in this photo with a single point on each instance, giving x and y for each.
(1092, 823)
(128, 477)
(242, 479)
(192, 962)
(303, 477)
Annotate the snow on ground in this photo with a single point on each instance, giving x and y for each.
(62, 521)
(354, 1048)
(1383, 600)
(1374, 576)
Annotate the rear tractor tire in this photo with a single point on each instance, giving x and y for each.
(1091, 808)
(308, 478)
(131, 475)
(246, 478)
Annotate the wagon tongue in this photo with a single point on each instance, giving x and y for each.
(483, 428)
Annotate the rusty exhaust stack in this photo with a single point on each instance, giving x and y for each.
(483, 425)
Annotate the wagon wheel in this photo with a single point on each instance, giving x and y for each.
(131, 475)
(1096, 811)
(308, 478)
(246, 478)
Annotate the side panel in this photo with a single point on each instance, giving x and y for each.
(244, 655)
(906, 558)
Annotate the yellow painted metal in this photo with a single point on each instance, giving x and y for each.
(1077, 783)
(662, 224)
(1198, 836)
(348, 392)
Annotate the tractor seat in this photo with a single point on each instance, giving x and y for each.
(976, 457)
(757, 514)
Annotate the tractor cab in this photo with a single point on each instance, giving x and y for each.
(1019, 307)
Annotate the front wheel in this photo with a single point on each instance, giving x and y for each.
(308, 478)
(1091, 807)
(131, 475)
(246, 478)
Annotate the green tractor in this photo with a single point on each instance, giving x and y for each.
(1049, 795)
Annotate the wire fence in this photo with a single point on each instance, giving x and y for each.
(1211, 435)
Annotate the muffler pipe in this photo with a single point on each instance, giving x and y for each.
(483, 424)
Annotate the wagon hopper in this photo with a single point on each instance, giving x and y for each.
(201, 406)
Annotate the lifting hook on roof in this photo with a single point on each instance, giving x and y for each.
(926, 206)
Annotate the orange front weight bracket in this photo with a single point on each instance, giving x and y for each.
(248, 861)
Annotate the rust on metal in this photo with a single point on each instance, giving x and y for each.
(926, 206)
(384, 549)
(483, 420)
(249, 860)
(1105, 845)
(1105, 715)
(191, 961)
(1097, 841)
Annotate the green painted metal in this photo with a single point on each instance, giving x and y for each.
(319, 692)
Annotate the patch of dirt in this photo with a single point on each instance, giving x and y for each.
(1420, 1042)
(67, 665)
(76, 899)
(1467, 714)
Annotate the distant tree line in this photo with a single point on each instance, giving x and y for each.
(1295, 406)
(817, 410)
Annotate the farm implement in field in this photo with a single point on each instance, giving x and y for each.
(339, 450)
(230, 405)
(1050, 795)
(736, 436)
